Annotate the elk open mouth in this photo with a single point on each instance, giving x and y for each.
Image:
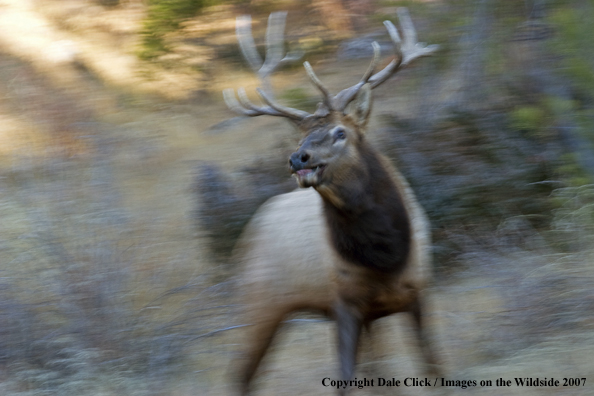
(310, 177)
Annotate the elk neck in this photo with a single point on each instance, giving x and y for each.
(366, 215)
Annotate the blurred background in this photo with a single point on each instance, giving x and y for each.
(125, 182)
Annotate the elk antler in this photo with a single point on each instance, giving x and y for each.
(274, 59)
(405, 50)
(274, 46)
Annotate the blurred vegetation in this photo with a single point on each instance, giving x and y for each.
(226, 203)
(573, 29)
(69, 316)
(498, 147)
(75, 314)
(163, 17)
(573, 224)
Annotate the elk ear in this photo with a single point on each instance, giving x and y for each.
(361, 108)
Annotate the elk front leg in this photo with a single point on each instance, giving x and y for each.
(349, 323)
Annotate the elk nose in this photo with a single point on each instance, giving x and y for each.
(298, 160)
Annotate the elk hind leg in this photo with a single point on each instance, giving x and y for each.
(429, 356)
(259, 339)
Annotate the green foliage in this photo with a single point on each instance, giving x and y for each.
(536, 118)
(558, 105)
(572, 42)
(528, 118)
(298, 98)
(571, 172)
(574, 33)
(165, 16)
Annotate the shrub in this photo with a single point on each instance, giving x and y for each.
(165, 16)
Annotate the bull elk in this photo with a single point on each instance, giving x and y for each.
(353, 243)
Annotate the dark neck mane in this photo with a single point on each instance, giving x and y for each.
(371, 228)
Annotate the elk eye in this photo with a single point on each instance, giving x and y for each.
(339, 135)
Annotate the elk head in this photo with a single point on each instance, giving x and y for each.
(331, 143)
(332, 135)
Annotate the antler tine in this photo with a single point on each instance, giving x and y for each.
(274, 41)
(344, 97)
(243, 31)
(246, 107)
(391, 68)
(376, 56)
(247, 103)
(412, 50)
(275, 34)
(274, 47)
(408, 29)
(328, 99)
(405, 50)
(286, 111)
(233, 104)
(274, 57)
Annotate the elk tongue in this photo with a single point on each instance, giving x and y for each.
(303, 172)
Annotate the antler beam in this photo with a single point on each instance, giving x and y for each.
(406, 50)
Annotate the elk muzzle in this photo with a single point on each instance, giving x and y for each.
(306, 169)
